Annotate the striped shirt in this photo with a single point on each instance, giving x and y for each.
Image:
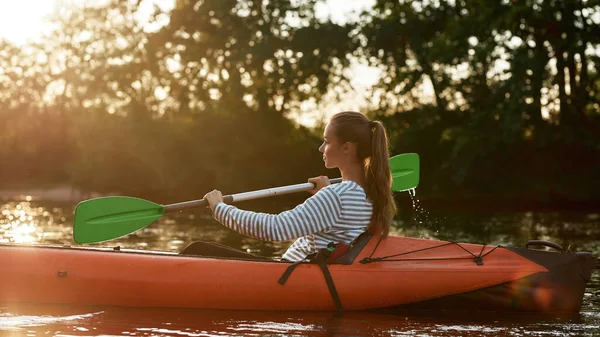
(336, 213)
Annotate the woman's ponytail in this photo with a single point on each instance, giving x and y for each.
(379, 181)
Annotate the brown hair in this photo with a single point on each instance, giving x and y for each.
(371, 142)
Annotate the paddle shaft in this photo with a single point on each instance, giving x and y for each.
(267, 192)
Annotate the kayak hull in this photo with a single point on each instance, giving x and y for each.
(429, 271)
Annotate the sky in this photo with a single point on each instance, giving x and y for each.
(22, 21)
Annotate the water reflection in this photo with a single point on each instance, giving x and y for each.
(112, 321)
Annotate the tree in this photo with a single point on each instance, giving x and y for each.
(509, 82)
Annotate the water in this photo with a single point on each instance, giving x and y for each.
(40, 222)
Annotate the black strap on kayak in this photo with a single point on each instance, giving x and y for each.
(340, 253)
(319, 258)
(478, 259)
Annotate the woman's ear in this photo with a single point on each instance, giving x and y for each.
(348, 148)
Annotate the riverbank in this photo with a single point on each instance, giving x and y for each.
(68, 194)
(61, 193)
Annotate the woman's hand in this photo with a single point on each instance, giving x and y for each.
(213, 197)
(320, 182)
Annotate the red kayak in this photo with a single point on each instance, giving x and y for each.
(374, 274)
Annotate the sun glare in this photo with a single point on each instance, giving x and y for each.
(22, 222)
(17, 224)
(24, 20)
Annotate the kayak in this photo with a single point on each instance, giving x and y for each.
(376, 273)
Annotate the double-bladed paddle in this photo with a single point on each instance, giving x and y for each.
(107, 218)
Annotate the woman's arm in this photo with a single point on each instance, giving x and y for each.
(316, 214)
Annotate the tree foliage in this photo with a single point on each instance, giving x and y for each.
(498, 98)
(509, 82)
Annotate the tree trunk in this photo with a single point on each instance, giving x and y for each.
(537, 81)
(440, 102)
(562, 95)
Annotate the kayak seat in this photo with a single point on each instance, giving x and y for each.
(213, 249)
(346, 254)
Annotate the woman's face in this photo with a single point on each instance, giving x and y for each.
(332, 149)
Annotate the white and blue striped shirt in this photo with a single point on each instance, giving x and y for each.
(337, 213)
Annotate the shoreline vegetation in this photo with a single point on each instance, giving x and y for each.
(501, 102)
(63, 194)
(68, 195)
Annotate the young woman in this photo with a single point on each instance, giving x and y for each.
(335, 213)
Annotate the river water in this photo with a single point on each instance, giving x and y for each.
(36, 222)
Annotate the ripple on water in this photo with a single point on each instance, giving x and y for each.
(10, 321)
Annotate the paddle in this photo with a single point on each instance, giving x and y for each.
(107, 218)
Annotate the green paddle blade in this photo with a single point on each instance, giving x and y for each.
(108, 218)
(405, 171)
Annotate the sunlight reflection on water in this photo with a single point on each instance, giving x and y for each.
(21, 222)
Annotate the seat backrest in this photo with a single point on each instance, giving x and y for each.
(356, 247)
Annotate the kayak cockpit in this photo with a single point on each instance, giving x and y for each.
(217, 250)
(338, 254)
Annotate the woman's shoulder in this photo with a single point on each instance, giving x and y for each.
(347, 187)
